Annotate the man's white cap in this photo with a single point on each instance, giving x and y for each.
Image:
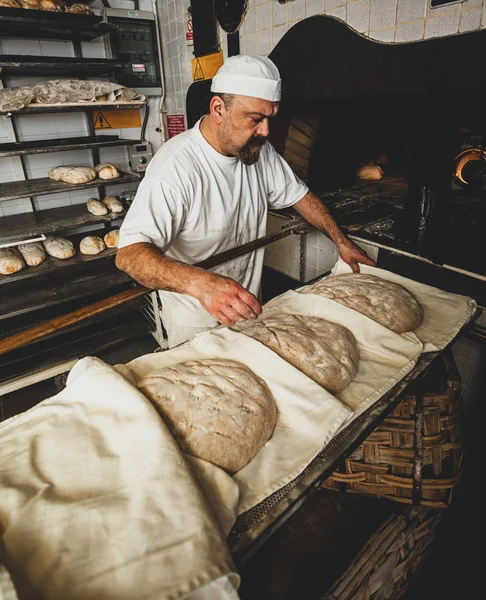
(244, 75)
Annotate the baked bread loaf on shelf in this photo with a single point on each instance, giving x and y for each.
(111, 238)
(91, 244)
(107, 171)
(113, 204)
(95, 207)
(72, 174)
(33, 254)
(11, 261)
(59, 247)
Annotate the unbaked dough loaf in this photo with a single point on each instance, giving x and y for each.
(324, 351)
(386, 302)
(111, 238)
(113, 204)
(33, 254)
(11, 261)
(59, 247)
(216, 409)
(107, 171)
(95, 207)
(91, 244)
(72, 174)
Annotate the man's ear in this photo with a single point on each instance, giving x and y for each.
(217, 109)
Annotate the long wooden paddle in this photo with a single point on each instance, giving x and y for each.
(53, 325)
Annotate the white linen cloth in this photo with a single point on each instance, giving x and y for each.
(194, 202)
(96, 500)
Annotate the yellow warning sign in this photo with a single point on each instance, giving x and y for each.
(205, 67)
(116, 119)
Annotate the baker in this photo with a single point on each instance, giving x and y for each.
(208, 190)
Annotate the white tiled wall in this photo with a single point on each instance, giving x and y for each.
(266, 22)
(47, 126)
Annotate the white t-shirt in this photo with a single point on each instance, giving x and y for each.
(194, 202)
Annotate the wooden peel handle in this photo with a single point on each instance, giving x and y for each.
(54, 325)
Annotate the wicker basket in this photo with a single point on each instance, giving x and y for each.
(384, 566)
(415, 455)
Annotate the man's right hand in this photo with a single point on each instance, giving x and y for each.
(226, 300)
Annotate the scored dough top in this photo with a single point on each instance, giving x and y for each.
(324, 351)
(216, 409)
(386, 302)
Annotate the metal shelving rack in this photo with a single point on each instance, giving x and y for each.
(31, 295)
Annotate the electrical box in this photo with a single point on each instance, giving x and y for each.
(134, 40)
(139, 156)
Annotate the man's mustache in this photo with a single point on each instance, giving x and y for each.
(257, 140)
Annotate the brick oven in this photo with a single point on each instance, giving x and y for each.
(415, 110)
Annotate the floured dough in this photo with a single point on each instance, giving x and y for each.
(107, 171)
(33, 254)
(216, 409)
(91, 244)
(111, 238)
(113, 204)
(95, 207)
(11, 261)
(59, 247)
(324, 351)
(72, 174)
(386, 302)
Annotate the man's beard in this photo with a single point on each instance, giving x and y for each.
(250, 152)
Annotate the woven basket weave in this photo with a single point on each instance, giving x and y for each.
(383, 568)
(415, 455)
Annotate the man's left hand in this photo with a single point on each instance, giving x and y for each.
(353, 255)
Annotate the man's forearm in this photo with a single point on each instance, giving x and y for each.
(220, 296)
(315, 212)
(144, 263)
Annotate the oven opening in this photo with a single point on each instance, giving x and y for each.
(410, 170)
